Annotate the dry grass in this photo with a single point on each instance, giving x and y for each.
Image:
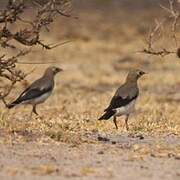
(95, 64)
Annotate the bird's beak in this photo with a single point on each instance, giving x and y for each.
(59, 70)
(144, 73)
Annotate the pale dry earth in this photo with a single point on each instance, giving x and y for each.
(119, 157)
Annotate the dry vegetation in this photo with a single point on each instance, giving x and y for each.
(20, 33)
(104, 48)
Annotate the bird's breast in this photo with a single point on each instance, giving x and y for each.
(124, 110)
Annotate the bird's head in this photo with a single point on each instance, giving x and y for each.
(52, 71)
(135, 74)
(55, 70)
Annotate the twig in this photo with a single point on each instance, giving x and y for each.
(174, 16)
(29, 36)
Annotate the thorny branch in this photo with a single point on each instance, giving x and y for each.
(156, 33)
(44, 13)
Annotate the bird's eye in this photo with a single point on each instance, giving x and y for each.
(141, 73)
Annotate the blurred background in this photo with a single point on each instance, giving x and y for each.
(106, 40)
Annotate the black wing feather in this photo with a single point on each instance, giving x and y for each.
(118, 101)
(123, 96)
(29, 94)
(36, 89)
(32, 93)
(107, 115)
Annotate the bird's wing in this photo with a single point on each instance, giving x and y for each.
(123, 96)
(32, 93)
(36, 89)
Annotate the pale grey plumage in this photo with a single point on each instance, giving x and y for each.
(38, 91)
(124, 100)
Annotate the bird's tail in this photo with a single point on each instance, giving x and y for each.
(107, 115)
(9, 106)
(14, 103)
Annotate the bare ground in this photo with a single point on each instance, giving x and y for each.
(109, 157)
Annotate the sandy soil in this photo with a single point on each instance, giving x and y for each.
(109, 157)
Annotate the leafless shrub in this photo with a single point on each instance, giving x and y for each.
(156, 33)
(12, 16)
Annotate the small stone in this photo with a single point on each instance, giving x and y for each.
(100, 152)
(102, 139)
(113, 142)
(140, 136)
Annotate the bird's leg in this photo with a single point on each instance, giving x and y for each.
(126, 122)
(114, 120)
(34, 110)
(30, 117)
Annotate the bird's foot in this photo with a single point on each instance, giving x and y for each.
(35, 112)
(41, 117)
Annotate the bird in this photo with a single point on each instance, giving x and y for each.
(39, 91)
(124, 100)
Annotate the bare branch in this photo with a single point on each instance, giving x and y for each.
(44, 13)
(174, 18)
